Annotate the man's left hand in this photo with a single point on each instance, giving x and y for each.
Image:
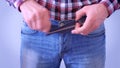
(96, 14)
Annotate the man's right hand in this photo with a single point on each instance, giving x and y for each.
(36, 16)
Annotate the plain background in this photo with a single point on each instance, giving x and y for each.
(10, 21)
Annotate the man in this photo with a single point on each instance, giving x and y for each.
(81, 47)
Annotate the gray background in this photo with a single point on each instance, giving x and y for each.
(10, 21)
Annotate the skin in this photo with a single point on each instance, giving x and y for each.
(37, 17)
(96, 14)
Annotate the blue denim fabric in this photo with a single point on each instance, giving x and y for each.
(39, 50)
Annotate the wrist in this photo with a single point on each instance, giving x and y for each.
(103, 6)
(24, 2)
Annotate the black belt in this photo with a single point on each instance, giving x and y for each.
(67, 24)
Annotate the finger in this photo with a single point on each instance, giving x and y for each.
(31, 20)
(87, 26)
(39, 25)
(80, 13)
(29, 23)
(47, 27)
(43, 24)
(32, 23)
(47, 23)
(77, 25)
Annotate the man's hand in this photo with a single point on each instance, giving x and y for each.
(36, 16)
(96, 14)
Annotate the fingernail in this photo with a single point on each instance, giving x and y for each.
(73, 31)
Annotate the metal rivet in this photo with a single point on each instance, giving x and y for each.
(61, 24)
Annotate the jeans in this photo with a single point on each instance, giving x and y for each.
(39, 50)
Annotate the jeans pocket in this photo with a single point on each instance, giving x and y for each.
(26, 30)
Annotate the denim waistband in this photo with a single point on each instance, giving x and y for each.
(59, 23)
